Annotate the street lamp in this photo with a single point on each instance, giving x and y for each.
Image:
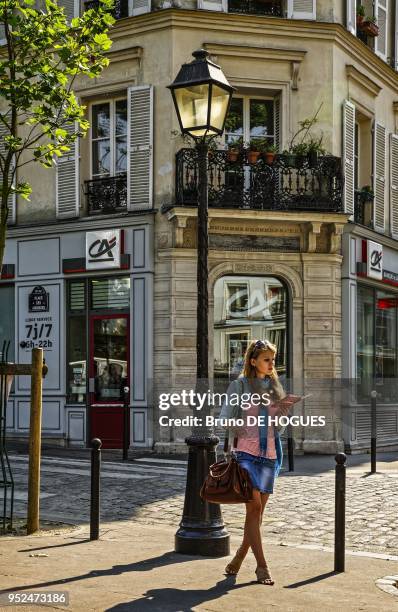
(201, 96)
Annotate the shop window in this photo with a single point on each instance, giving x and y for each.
(111, 293)
(377, 344)
(247, 308)
(7, 319)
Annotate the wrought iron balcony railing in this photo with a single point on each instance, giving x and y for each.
(256, 7)
(363, 208)
(106, 195)
(289, 183)
(121, 8)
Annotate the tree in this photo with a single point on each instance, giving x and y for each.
(40, 116)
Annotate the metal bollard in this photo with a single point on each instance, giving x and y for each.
(95, 488)
(339, 516)
(373, 435)
(126, 431)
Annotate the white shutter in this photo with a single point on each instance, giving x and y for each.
(351, 17)
(138, 7)
(72, 8)
(396, 37)
(68, 181)
(394, 185)
(213, 5)
(348, 155)
(301, 9)
(12, 198)
(2, 35)
(381, 12)
(278, 123)
(140, 147)
(379, 175)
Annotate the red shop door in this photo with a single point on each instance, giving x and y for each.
(109, 374)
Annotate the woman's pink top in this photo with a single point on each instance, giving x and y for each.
(249, 435)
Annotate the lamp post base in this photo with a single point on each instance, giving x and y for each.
(202, 530)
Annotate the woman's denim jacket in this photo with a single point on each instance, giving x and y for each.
(233, 411)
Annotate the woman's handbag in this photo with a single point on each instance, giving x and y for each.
(227, 483)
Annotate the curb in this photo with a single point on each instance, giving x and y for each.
(388, 584)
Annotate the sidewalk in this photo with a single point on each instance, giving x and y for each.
(133, 568)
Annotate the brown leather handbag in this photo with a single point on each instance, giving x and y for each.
(227, 483)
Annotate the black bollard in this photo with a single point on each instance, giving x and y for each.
(339, 516)
(95, 488)
(126, 429)
(373, 435)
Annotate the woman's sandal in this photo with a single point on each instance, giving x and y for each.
(233, 566)
(263, 575)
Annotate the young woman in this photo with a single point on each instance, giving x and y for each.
(258, 448)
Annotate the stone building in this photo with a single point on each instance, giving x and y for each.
(285, 236)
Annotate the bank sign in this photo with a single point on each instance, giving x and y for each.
(103, 249)
(374, 260)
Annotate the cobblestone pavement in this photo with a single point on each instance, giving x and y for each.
(151, 491)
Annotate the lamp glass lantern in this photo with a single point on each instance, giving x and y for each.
(201, 96)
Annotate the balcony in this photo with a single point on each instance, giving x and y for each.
(363, 207)
(271, 8)
(120, 10)
(289, 183)
(106, 195)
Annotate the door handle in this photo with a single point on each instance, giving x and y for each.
(91, 385)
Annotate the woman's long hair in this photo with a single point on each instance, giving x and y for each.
(255, 348)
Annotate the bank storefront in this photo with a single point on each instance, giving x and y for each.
(85, 297)
(370, 333)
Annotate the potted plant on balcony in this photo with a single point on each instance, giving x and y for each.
(369, 26)
(314, 150)
(234, 150)
(212, 149)
(254, 150)
(360, 15)
(269, 153)
(366, 194)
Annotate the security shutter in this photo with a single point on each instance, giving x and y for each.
(394, 184)
(213, 5)
(381, 12)
(67, 181)
(140, 147)
(348, 155)
(72, 8)
(379, 175)
(12, 199)
(351, 16)
(138, 7)
(301, 9)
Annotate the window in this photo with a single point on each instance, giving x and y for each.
(246, 308)
(376, 344)
(250, 118)
(109, 138)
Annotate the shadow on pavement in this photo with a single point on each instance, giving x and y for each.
(297, 585)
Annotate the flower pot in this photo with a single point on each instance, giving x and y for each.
(252, 156)
(360, 19)
(290, 159)
(232, 155)
(269, 157)
(369, 28)
(312, 159)
(300, 161)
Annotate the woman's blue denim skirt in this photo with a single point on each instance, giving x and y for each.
(261, 470)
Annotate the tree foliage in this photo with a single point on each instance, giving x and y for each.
(40, 116)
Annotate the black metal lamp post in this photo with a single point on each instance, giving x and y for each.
(201, 96)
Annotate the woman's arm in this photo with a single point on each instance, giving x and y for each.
(231, 406)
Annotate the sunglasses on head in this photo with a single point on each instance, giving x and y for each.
(261, 344)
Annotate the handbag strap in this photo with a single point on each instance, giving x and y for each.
(226, 440)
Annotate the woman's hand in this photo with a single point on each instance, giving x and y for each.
(283, 407)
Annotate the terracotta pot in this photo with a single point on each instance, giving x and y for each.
(232, 155)
(360, 19)
(369, 28)
(252, 156)
(269, 157)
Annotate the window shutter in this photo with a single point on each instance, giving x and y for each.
(213, 5)
(2, 35)
(351, 16)
(348, 155)
(12, 198)
(396, 37)
(138, 7)
(379, 175)
(381, 12)
(278, 123)
(394, 185)
(301, 9)
(140, 147)
(68, 182)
